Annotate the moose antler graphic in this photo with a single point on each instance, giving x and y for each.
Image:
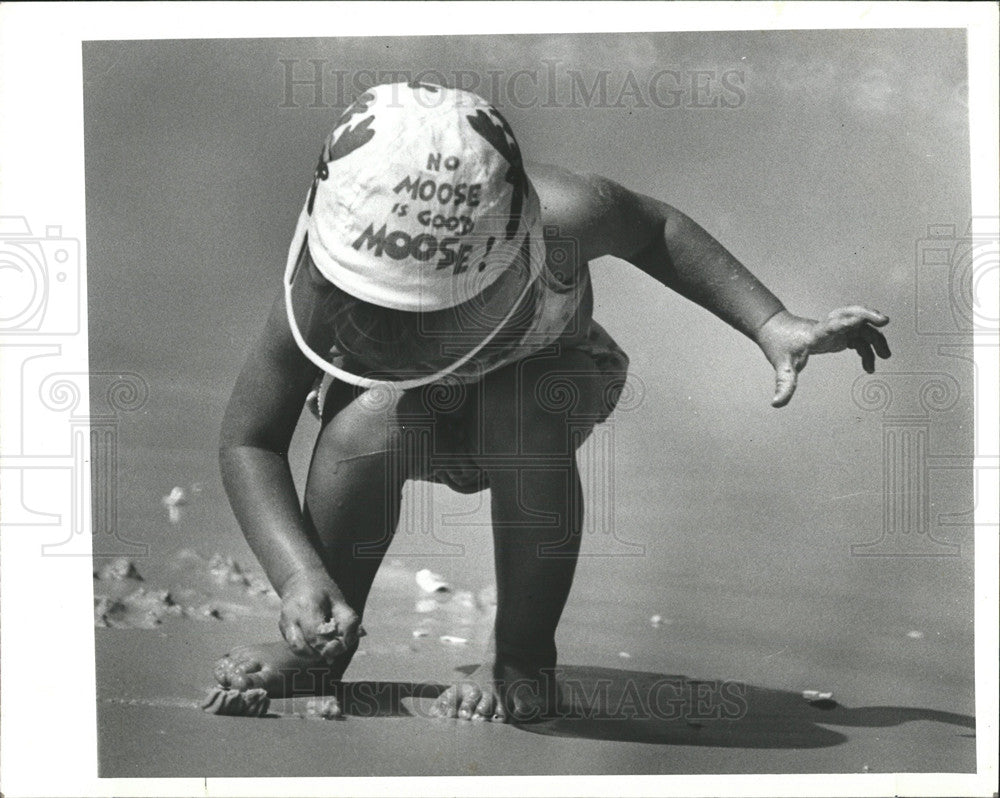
(350, 139)
(499, 134)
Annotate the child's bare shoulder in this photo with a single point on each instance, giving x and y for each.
(604, 217)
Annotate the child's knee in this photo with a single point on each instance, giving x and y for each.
(357, 431)
(354, 453)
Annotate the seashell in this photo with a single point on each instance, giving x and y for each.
(431, 582)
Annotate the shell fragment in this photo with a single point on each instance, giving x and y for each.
(431, 582)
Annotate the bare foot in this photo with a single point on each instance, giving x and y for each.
(274, 668)
(500, 690)
(244, 703)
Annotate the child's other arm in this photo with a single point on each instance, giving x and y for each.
(257, 429)
(608, 219)
(256, 432)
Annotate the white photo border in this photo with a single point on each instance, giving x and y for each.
(43, 179)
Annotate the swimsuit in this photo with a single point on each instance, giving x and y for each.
(561, 322)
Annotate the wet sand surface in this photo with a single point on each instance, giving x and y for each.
(150, 682)
(148, 731)
(691, 658)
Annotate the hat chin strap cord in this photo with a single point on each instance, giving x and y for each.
(366, 382)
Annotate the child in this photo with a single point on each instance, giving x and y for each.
(433, 273)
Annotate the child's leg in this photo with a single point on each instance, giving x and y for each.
(528, 451)
(352, 500)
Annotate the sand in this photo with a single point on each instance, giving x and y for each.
(150, 727)
(707, 688)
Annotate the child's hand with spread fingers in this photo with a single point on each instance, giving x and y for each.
(789, 340)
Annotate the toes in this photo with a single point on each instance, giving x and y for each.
(222, 671)
(450, 709)
(526, 703)
(458, 701)
(248, 681)
(485, 708)
(238, 673)
(244, 659)
(225, 670)
(252, 704)
(470, 702)
(446, 705)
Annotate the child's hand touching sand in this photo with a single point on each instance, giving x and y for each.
(315, 620)
(788, 341)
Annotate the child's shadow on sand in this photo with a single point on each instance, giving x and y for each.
(634, 706)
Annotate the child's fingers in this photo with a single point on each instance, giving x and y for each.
(877, 341)
(332, 649)
(297, 640)
(867, 356)
(876, 318)
(785, 379)
(858, 312)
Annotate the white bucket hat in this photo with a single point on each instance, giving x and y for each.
(420, 201)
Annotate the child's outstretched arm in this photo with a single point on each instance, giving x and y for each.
(683, 256)
(608, 219)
